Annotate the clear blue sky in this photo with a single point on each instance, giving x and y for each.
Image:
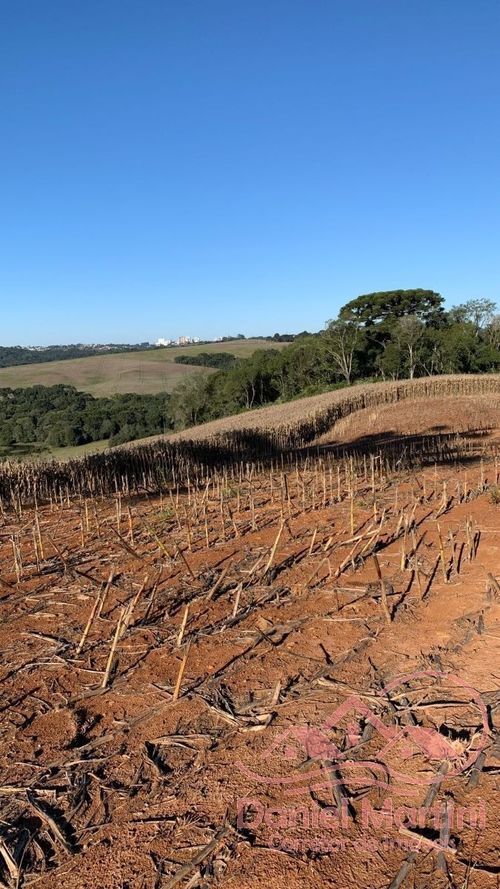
(223, 166)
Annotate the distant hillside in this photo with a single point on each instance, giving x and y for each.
(142, 371)
(12, 356)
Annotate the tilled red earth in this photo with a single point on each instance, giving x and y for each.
(258, 683)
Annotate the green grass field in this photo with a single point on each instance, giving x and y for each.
(143, 372)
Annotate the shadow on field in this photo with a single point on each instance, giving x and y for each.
(433, 447)
(162, 465)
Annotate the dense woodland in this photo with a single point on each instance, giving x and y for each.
(59, 416)
(385, 336)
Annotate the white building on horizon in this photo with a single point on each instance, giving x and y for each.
(180, 341)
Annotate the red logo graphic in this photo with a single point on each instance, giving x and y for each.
(408, 752)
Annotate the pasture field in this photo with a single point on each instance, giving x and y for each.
(228, 667)
(151, 371)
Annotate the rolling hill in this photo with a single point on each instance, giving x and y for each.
(150, 371)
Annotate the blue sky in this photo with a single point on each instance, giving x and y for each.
(222, 166)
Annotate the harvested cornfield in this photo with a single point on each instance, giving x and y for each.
(297, 423)
(233, 661)
(464, 415)
(158, 467)
(272, 675)
(267, 435)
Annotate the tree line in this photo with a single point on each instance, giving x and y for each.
(13, 356)
(59, 416)
(219, 360)
(386, 335)
(378, 336)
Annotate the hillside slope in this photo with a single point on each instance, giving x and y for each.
(148, 372)
(301, 421)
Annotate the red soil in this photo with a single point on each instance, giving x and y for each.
(126, 786)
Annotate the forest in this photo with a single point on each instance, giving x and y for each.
(61, 416)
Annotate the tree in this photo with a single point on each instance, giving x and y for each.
(478, 312)
(189, 399)
(457, 349)
(340, 340)
(302, 367)
(408, 333)
(250, 383)
(382, 309)
(389, 360)
(492, 332)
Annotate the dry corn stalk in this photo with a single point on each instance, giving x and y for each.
(274, 548)
(383, 590)
(112, 650)
(180, 674)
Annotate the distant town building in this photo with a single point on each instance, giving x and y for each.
(182, 341)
